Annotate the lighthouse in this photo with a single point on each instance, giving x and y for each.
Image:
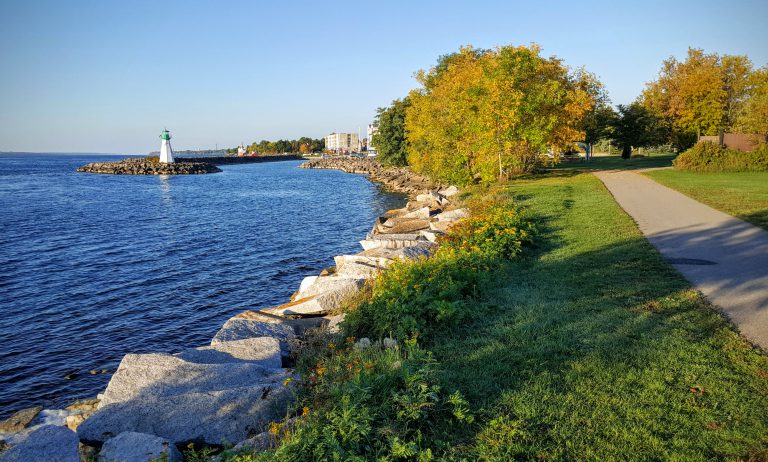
(166, 153)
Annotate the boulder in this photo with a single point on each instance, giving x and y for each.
(433, 197)
(264, 351)
(402, 226)
(321, 303)
(299, 326)
(138, 447)
(375, 262)
(441, 226)
(305, 283)
(19, 420)
(421, 213)
(452, 215)
(450, 191)
(48, 443)
(210, 417)
(431, 235)
(392, 241)
(239, 328)
(360, 270)
(334, 323)
(73, 421)
(143, 376)
(343, 286)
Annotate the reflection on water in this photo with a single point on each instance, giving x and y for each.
(165, 188)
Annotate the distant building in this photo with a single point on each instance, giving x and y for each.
(241, 151)
(342, 142)
(372, 129)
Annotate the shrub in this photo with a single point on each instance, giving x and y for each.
(711, 157)
(152, 159)
(371, 404)
(417, 298)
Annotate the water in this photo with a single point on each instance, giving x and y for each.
(96, 266)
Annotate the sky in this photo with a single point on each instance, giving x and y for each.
(108, 76)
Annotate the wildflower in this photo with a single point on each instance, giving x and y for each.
(305, 411)
(287, 381)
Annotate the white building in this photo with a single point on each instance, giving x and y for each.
(372, 129)
(342, 142)
(166, 152)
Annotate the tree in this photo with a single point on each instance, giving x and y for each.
(389, 141)
(753, 117)
(699, 96)
(484, 114)
(636, 127)
(598, 125)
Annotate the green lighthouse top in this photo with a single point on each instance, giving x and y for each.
(165, 135)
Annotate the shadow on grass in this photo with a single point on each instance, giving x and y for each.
(759, 218)
(602, 353)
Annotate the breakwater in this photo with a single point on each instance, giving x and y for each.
(392, 178)
(233, 160)
(182, 166)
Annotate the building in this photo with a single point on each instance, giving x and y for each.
(342, 142)
(241, 151)
(372, 129)
(166, 152)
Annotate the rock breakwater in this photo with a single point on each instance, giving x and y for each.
(392, 178)
(142, 166)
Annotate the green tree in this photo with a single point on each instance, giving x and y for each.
(636, 127)
(389, 141)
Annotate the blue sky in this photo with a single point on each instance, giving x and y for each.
(107, 76)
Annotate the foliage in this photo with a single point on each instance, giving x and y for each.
(701, 95)
(389, 141)
(485, 114)
(754, 115)
(303, 145)
(636, 127)
(378, 403)
(711, 157)
(598, 124)
(152, 159)
(417, 298)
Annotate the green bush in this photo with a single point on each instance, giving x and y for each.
(375, 403)
(417, 298)
(711, 157)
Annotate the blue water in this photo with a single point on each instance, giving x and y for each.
(96, 266)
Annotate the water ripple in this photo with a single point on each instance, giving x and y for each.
(96, 266)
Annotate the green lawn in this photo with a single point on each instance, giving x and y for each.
(743, 195)
(617, 163)
(596, 349)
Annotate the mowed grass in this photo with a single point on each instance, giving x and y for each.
(743, 195)
(595, 349)
(617, 163)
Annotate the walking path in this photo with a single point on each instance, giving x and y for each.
(723, 257)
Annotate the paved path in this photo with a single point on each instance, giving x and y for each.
(722, 256)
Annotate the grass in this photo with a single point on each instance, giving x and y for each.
(743, 195)
(596, 349)
(617, 163)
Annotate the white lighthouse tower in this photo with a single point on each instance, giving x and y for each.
(166, 153)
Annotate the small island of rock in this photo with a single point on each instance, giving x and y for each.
(145, 166)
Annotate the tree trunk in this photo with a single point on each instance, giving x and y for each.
(626, 152)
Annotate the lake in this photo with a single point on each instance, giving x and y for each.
(96, 266)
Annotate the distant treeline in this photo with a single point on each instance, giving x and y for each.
(303, 145)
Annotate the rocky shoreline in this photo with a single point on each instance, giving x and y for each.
(143, 166)
(396, 179)
(232, 389)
